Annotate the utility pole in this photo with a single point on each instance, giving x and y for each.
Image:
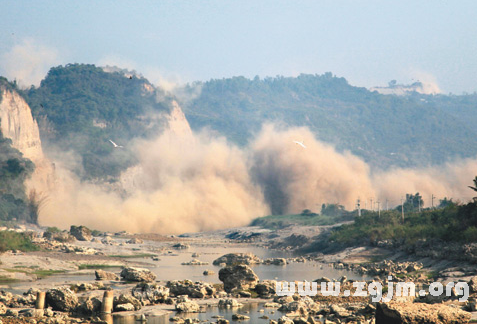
(402, 210)
(387, 205)
(359, 208)
(372, 206)
(432, 199)
(379, 208)
(419, 203)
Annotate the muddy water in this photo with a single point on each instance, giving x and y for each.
(170, 267)
(255, 311)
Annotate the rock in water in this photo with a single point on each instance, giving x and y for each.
(61, 299)
(105, 275)
(137, 274)
(404, 313)
(81, 233)
(240, 276)
(238, 258)
(196, 289)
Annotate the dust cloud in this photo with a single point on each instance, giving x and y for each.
(200, 182)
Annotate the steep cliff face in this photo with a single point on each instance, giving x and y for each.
(176, 132)
(17, 123)
(177, 121)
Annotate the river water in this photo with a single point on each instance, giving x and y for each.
(170, 267)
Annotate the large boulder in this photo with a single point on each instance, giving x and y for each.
(105, 275)
(237, 258)
(81, 233)
(418, 313)
(240, 276)
(196, 289)
(153, 293)
(61, 299)
(137, 274)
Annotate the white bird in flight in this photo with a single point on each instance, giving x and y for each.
(300, 143)
(115, 145)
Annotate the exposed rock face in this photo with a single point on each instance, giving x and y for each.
(135, 177)
(237, 258)
(137, 274)
(81, 233)
(105, 275)
(239, 276)
(17, 123)
(403, 313)
(61, 299)
(177, 121)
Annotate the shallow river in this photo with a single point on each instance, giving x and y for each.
(169, 268)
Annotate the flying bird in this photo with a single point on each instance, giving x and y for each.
(115, 145)
(300, 143)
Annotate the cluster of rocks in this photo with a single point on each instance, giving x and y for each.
(195, 262)
(382, 269)
(434, 248)
(252, 259)
(191, 289)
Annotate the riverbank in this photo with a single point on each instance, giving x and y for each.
(72, 265)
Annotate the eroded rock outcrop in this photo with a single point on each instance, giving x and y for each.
(17, 124)
(239, 277)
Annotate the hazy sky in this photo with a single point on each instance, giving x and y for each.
(367, 42)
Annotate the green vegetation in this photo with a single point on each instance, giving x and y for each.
(330, 214)
(97, 266)
(453, 223)
(14, 170)
(80, 107)
(10, 240)
(386, 130)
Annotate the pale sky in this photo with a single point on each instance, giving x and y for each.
(367, 42)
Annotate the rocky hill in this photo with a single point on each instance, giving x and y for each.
(386, 130)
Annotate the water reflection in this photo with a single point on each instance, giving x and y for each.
(255, 311)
